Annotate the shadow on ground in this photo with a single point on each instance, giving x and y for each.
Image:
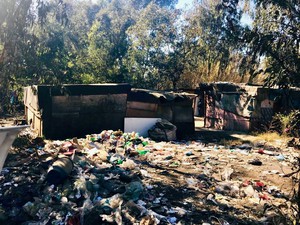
(207, 135)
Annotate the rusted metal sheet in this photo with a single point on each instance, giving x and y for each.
(66, 104)
(244, 107)
(214, 117)
(166, 111)
(89, 103)
(137, 113)
(141, 109)
(235, 122)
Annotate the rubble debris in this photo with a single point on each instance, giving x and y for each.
(163, 131)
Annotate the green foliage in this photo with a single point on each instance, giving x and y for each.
(141, 4)
(25, 57)
(14, 18)
(287, 123)
(213, 53)
(147, 43)
(108, 44)
(154, 54)
(273, 39)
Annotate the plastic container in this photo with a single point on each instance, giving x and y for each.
(59, 170)
(7, 137)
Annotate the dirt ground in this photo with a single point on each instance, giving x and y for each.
(213, 177)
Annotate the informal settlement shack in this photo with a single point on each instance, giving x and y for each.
(66, 111)
(75, 110)
(174, 107)
(243, 107)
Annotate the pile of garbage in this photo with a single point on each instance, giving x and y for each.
(79, 181)
(122, 178)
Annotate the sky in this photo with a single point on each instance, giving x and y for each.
(182, 3)
(246, 20)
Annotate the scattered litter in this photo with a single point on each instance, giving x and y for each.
(266, 152)
(255, 162)
(248, 191)
(228, 188)
(280, 157)
(226, 175)
(123, 178)
(172, 220)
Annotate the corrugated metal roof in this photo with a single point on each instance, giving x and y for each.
(166, 95)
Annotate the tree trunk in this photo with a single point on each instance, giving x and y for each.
(4, 82)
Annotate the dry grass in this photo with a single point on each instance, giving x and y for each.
(269, 136)
(272, 138)
(230, 142)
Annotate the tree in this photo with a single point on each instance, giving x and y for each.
(14, 19)
(213, 52)
(62, 42)
(20, 47)
(155, 55)
(276, 35)
(141, 4)
(273, 38)
(108, 44)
